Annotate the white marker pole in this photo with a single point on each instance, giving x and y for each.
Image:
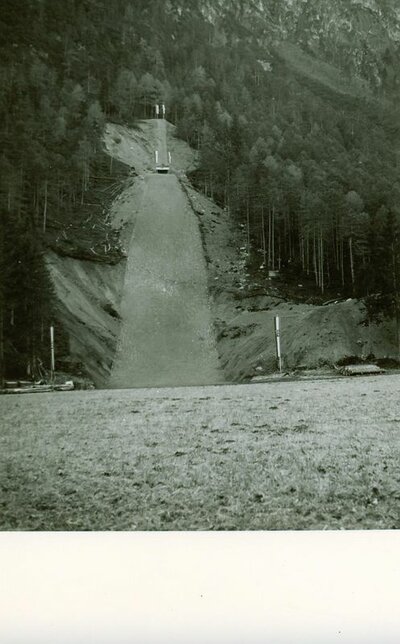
(169, 158)
(156, 157)
(278, 342)
(163, 110)
(157, 109)
(53, 362)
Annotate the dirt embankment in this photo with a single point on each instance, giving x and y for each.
(89, 301)
(311, 336)
(90, 294)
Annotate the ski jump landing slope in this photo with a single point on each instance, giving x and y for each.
(166, 333)
(160, 125)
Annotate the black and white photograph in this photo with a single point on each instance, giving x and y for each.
(200, 271)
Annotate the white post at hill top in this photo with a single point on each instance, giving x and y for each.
(157, 110)
(278, 341)
(163, 110)
(53, 362)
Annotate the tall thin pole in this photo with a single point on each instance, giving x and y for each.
(278, 342)
(248, 224)
(263, 239)
(45, 207)
(53, 362)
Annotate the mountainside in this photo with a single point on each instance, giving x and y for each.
(358, 36)
(143, 321)
(291, 108)
(353, 35)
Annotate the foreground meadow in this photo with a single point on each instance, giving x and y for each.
(282, 455)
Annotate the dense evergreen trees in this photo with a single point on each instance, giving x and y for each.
(308, 164)
(296, 153)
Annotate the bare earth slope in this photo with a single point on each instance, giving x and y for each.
(166, 335)
(242, 312)
(88, 295)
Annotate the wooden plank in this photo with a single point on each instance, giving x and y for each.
(361, 369)
(37, 389)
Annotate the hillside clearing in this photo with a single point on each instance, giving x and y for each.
(167, 334)
(241, 311)
(297, 455)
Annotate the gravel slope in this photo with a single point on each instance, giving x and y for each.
(167, 335)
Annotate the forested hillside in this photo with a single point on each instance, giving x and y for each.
(291, 105)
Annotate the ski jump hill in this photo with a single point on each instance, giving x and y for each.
(166, 336)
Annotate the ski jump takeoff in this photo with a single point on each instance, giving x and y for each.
(163, 157)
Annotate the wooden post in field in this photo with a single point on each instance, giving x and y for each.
(53, 362)
(278, 342)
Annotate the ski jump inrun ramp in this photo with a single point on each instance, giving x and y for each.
(166, 336)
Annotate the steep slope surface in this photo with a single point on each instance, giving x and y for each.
(88, 295)
(88, 292)
(166, 335)
(162, 149)
(165, 296)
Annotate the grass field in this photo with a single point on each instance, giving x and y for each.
(282, 455)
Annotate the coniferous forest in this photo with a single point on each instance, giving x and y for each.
(298, 138)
